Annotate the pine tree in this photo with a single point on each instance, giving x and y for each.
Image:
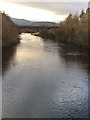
(82, 13)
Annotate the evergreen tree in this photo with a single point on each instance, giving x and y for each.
(82, 13)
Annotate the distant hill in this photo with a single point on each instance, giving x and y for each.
(23, 22)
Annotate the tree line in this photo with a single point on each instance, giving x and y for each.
(10, 33)
(73, 30)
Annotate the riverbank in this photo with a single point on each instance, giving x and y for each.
(73, 31)
(62, 43)
(10, 33)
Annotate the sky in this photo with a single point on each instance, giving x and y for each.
(42, 10)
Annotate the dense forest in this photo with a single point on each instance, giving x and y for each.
(73, 30)
(10, 34)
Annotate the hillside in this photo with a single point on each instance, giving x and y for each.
(23, 22)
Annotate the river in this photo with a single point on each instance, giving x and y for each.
(43, 80)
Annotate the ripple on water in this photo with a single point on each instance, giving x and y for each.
(42, 80)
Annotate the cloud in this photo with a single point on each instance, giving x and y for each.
(57, 6)
(58, 10)
(62, 8)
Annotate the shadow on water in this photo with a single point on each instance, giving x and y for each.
(71, 56)
(8, 54)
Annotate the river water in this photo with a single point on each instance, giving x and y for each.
(43, 80)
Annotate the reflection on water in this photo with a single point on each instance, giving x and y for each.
(7, 57)
(75, 57)
(42, 80)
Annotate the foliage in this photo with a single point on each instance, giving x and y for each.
(9, 31)
(73, 30)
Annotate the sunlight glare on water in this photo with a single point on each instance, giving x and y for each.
(43, 80)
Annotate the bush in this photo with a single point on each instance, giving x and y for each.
(73, 30)
(9, 31)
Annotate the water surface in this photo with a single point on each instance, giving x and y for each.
(43, 80)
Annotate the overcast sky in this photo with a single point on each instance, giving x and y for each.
(42, 9)
(59, 7)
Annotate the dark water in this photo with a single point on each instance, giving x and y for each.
(42, 80)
